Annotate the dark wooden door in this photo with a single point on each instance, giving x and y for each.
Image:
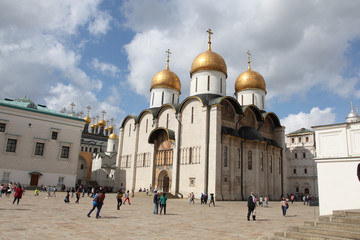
(34, 180)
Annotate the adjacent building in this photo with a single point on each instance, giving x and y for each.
(38, 146)
(301, 169)
(338, 164)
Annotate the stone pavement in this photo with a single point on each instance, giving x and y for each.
(42, 218)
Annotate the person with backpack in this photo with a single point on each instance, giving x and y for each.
(251, 207)
(119, 199)
(156, 202)
(97, 203)
(284, 205)
(18, 194)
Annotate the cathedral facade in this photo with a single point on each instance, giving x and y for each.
(209, 142)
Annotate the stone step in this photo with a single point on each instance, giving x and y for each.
(350, 220)
(347, 213)
(309, 236)
(337, 226)
(329, 232)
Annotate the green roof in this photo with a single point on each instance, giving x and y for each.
(300, 131)
(28, 105)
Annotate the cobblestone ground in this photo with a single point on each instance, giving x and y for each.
(38, 217)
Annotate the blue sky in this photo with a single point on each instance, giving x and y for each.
(105, 53)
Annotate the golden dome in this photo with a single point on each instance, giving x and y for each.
(87, 119)
(113, 136)
(250, 79)
(111, 127)
(92, 126)
(208, 60)
(167, 79)
(102, 123)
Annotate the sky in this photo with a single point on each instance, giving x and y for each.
(104, 53)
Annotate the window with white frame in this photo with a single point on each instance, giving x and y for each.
(65, 150)
(39, 148)
(61, 181)
(6, 177)
(2, 127)
(11, 145)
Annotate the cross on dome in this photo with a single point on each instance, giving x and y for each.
(168, 57)
(210, 32)
(249, 54)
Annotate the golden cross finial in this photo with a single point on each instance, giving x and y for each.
(249, 54)
(81, 113)
(88, 110)
(168, 57)
(352, 109)
(72, 107)
(103, 113)
(210, 32)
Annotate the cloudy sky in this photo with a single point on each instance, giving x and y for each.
(105, 53)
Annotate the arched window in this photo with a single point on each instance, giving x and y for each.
(225, 157)
(82, 166)
(90, 149)
(208, 83)
(262, 161)
(173, 98)
(152, 100)
(242, 99)
(249, 160)
(86, 149)
(82, 148)
(147, 123)
(129, 130)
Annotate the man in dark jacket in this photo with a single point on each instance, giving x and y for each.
(251, 206)
(156, 202)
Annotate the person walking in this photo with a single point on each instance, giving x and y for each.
(77, 194)
(163, 200)
(18, 194)
(212, 199)
(284, 205)
(251, 207)
(156, 202)
(119, 196)
(97, 203)
(127, 197)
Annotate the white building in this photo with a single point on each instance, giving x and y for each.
(338, 164)
(300, 165)
(209, 142)
(38, 146)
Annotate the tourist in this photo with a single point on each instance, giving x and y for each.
(77, 194)
(54, 191)
(72, 192)
(205, 198)
(261, 201)
(284, 205)
(36, 192)
(119, 198)
(97, 203)
(156, 202)
(48, 191)
(292, 197)
(304, 199)
(67, 197)
(251, 207)
(18, 194)
(266, 201)
(212, 199)
(163, 200)
(127, 197)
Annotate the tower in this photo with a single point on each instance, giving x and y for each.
(208, 73)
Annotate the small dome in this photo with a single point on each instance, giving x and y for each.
(87, 119)
(167, 79)
(111, 127)
(250, 80)
(208, 60)
(102, 123)
(353, 117)
(113, 136)
(92, 126)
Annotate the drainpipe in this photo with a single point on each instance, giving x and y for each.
(242, 170)
(207, 150)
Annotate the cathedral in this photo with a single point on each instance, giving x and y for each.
(209, 142)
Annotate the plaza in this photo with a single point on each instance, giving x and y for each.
(38, 217)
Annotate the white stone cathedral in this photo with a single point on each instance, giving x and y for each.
(209, 142)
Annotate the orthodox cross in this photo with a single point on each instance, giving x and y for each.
(103, 113)
(81, 113)
(168, 57)
(249, 54)
(88, 110)
(72, 108)
(210, 32)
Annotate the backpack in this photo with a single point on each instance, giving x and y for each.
(100, 198)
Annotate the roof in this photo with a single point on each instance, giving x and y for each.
(28, 105)
(301, 131)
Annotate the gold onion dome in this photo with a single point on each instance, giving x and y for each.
(208, 60)
(166, 78)
(250, 80)
(87, 119)
(113, 136)
(102, 123)
(111, 127)
(92, 126)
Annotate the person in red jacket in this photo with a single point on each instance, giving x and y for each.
(18, 194)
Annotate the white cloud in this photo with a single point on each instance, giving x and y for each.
(105, 68)
(294, 44)
(315, 117)
(100, 25)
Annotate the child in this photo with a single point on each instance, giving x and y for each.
(67, 200)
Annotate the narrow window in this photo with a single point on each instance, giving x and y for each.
(113, 148)
(65, 152)
(162, 98)
(294, 171)
(147, 123)
(208, 83)
(262, 161)
(129, 130)
(96, 150)
(11, 145)
(225, 156)
(307, 139)
(297, 189)
(190, 155)
(249, 160)
(299, 140)
(86, 149)
(82, 166)
(253, 98)
(152, 101)
(242, 99)
(2, 127)
(173, 98)
(304, 155)
(39, 149)
(263, 102)
(196, 82)
(292, 140)
(54, 135)
(271, 163)
(305, 171)
(82, 148)
(192, 115)
(167, 120)
(90, 149)
(220, 85)
(239, 163)
(295, 155)
(279, 166)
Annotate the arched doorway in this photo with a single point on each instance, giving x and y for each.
(164, 181)
(306, 191)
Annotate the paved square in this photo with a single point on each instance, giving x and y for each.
(42, 218)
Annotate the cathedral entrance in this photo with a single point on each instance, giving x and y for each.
(164, 181)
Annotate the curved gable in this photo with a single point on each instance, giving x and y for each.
(255, 110)
(273, 117)
(186, 100)
(127, 118)
(231, 100)
(163, 107)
